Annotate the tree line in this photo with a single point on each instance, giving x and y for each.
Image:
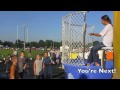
(40, 43)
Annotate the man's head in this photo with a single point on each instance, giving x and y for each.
(22, 54)
(46, 54)
(14, 59)
(105, 20)
(38, 57)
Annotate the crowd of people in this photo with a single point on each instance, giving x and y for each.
(18, 66)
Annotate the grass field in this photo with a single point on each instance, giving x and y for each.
(6, 52)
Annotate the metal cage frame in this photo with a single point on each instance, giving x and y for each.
(72, 25)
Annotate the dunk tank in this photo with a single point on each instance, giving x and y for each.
(76, 45)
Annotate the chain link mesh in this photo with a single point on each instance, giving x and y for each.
(72, 37)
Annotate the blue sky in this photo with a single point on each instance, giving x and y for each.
(42, 24)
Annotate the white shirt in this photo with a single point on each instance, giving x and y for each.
(48, 54)
(38, 67)
(107, 34)
(15, 53)
(57, 53)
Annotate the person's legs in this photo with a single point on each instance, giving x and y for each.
(42, 76)
(54, 59)
(8, 75)
(21, 75)
(45, 76)
(26, 74)
(93, 57)
(90, 57)
(48, 76)
(37, 77)
(47, 72)
(57, 60)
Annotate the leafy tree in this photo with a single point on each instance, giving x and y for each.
(41, 43)
(8, 43)
(1, 43)
(19, 44)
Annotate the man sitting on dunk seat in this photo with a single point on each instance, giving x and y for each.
(107, 34)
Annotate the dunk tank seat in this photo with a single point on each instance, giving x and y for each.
(106, 55)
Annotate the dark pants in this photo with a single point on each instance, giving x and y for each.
(39, 77)
(21, 75)
(48, 72)
(93, 57)
(26, 74)
(8, 75)
(48, 76)
(54, 59)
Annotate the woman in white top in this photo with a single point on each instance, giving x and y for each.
(107, 34)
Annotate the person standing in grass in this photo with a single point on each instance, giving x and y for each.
(57, 56)
(47, 66)
(14, 68)
(54, 57)
(8, 64)
(38, 67)
(21, 64)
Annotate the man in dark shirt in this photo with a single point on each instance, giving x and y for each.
(8, 63)
(47, 66)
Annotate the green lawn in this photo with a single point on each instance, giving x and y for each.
(34, 52)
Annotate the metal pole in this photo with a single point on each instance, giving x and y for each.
(27, 34)
(24, 33)
(53, 44)
(17, 34)
(84, 34)
(24, 36)
(70, 37)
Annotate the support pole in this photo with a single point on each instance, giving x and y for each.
(17, 36)
(24, 37)
(84, 34)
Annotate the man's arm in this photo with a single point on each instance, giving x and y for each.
(95, 34)
(43, 65)
(12, 73)
(25, 66)
(34, 67)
